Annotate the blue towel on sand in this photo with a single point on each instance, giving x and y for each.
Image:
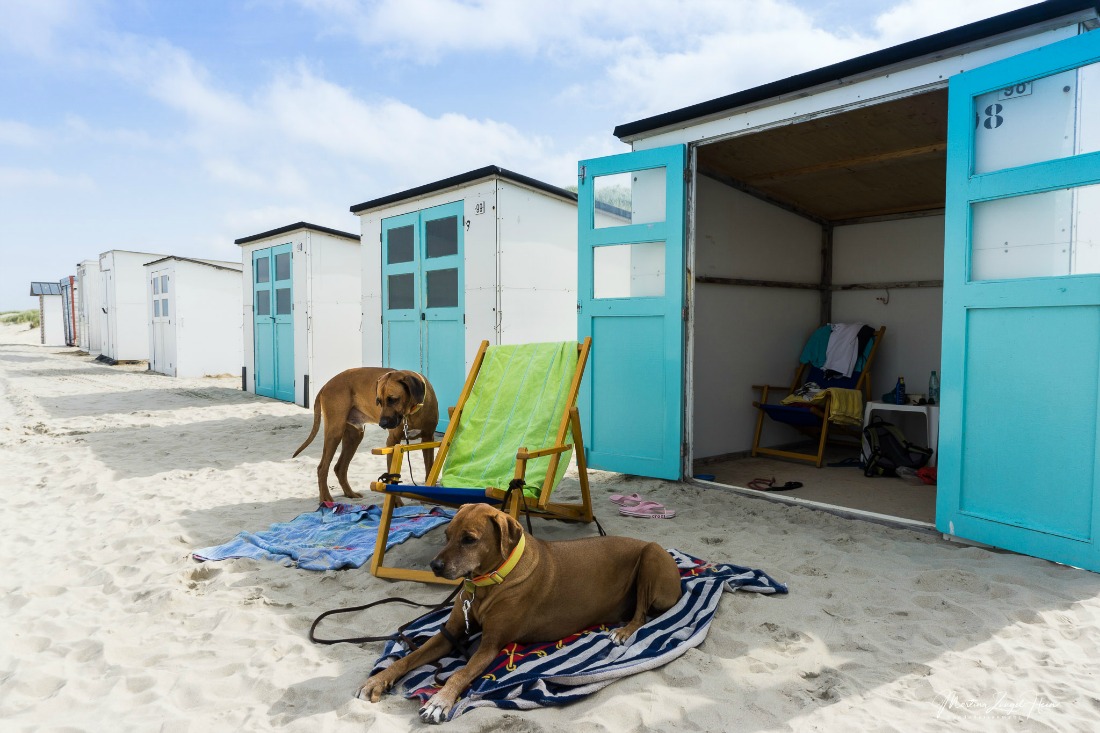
(534, 675)
(333, 537)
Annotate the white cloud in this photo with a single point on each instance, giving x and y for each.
(32, 28)
(918, 18)
(20, 134)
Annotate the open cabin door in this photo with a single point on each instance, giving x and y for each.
(630, 293)
(1018, 465)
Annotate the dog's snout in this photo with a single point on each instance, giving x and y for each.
(437, 566)
(389, 421)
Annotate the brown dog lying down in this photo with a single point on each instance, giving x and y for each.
(355, 397)
(527, 590)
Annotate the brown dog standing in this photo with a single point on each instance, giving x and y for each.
(370, 394)
(549, 590)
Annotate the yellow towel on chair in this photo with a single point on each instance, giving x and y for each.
(845, 405)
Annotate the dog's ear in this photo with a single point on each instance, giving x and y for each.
(510, 531)
(415, 385)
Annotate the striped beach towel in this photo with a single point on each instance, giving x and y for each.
(535, 675)
(333, 537)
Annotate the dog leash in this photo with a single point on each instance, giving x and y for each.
(399, 635)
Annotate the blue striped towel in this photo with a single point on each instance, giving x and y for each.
(333, 537)
(555, 673)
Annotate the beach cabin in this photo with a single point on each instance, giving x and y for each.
(485, 255)
(51, 313)
(945, 188)
(301, 310)
(124, 322)
(89, 304)
(194, 329)
(68, 305)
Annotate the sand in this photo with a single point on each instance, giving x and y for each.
(112, 476)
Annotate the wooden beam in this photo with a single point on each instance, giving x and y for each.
(757, 193)
(755, 283)
(850, 163)
(826, 311)
(891, 285)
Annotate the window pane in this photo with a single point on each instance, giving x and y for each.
(263, 270)
(629, 198)
(401, 295)
(282, 266)
(164, 307)
(399, 245)
(1038, 235)
(156, 285)
(442, 286)
(442, 237)
(164, 283)
(629, 270)
(282, 301)
(263, 302)
(1036, 120)
(156, 309)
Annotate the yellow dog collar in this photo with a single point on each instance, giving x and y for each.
(425, 383)
(497, 576)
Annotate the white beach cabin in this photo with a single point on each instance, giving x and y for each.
(485, 255)
(194, 329)
(945, 188)
(301, 310)
(124, 323)
(89, 305)
(51, 314)
(68, 306)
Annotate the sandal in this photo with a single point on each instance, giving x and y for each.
(768, 484)
(632, 500)
(648, 510)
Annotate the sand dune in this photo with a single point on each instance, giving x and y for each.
(112, 475)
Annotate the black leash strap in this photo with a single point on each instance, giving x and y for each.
(399, 634)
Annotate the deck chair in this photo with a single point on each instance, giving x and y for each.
(515, 425)
(813, 419)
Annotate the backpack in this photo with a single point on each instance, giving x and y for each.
(888, 450)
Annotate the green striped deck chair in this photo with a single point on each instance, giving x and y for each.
(515, 424)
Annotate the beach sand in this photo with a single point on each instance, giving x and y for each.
(112, 476)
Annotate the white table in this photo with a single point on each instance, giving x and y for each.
(931, 418)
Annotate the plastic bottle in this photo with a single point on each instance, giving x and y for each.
(933, 389)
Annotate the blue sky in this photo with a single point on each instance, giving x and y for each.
(177, 127)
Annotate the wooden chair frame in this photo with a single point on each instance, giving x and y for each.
(863, 384)
(570, 424)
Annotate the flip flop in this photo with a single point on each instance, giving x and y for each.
(632, 500)
(768, 484)
(648, 510)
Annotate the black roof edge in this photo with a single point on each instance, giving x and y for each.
(197, 262)
(469, 176)
(295, 227)
(937, 42)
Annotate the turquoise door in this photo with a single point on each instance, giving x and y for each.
(631, 302)
(1020, 391)
(273, 321)
(423, 303)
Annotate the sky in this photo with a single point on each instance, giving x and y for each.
(177, 127)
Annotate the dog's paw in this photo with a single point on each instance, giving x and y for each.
(620, 635)
(373, 689)
(436, 709)
(353, 495)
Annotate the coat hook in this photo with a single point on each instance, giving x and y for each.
(886, 300)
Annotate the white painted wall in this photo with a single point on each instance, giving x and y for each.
(327, 299)
(52, 325)
(894, 251)
(89, 293)
(747, 335)
(126, 303)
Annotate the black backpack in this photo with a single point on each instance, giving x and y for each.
(888, 450)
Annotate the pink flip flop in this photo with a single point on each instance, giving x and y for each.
(632, 500)
(648, 510)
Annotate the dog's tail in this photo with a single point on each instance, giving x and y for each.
(316, 424)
